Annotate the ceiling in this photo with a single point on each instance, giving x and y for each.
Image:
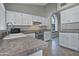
(37, 4)
(40, 4)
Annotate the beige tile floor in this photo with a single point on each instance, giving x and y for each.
(54, 49)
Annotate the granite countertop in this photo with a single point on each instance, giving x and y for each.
(34, 30)
(70, 31)
(21, 46)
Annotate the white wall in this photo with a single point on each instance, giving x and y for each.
(26, 8)
(50, 9)
(56, 23)
(2, 17)
(59, 21)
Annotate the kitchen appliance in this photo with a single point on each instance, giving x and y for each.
(15, 30)
(39, 35)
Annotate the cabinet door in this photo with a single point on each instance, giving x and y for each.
(2, 17)
(70, 15)
(29, 19)
(67, 16)
(18, 20)
(63, 39)
(26, 19)
(47, 35)
(69, 40)
(73, 43)
(10, 17)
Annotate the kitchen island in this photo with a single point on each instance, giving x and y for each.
(42, 34)
(23, 46)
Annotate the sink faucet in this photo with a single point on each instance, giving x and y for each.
(8, 26)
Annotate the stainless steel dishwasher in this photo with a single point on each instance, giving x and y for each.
(39, 35)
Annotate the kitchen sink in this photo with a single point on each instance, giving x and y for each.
(16, 35)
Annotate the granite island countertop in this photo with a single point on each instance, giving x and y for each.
(34, 30)
(21, 46)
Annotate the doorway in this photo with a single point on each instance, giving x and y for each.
(55, 25)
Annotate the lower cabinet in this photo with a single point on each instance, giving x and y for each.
(47, 35)
(69, 40)
(38, 53)
(31, 34)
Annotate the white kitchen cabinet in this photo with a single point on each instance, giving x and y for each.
(10, 17)
(74, 41)
(18, 18)
(64, 39)
(43, 20)
(37, 18)
(70, 15)
(2, 17)
(26, 19)
(47, 35)
(69, 40)
(38, 53)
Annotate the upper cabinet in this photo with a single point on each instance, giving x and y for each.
(24, 19)
(70, 15)
(2, 17)
(10, 17)
(43, 20)
(18, 18)
(61, 6)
